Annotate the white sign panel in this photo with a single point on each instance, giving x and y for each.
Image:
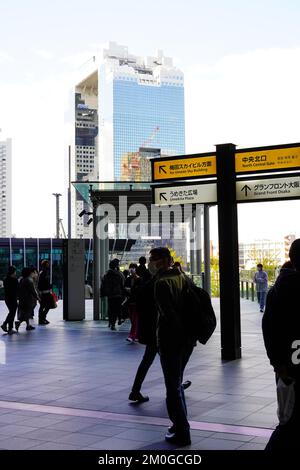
(189, 194)
(276, 188)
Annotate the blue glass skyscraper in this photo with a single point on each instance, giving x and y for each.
(141, 111)
(126, 111)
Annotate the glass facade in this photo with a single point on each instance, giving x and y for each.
(37, 249)
(146, 116)
(4, 262)
(17, 257)
(30, 252)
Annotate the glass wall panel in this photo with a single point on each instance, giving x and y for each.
(31, 255)
(4, 263)
(57, 271)
(44, 250)
(18, 256)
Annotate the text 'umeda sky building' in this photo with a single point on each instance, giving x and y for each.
(128, 110)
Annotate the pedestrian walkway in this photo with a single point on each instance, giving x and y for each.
(65, 386)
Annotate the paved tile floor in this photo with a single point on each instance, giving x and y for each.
(65, 386)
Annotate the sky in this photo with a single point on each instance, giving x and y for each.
(241, 62)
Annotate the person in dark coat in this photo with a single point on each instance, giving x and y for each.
(44, 287)
(11, 287)
(281, 332)
(174, 342)
(132, 285)
(286, 268)
(28, 297)
(142, 270)
(112, 287)
(147, 335)
(35, 278)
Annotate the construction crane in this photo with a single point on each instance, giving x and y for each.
(131, 162)
(151, 137)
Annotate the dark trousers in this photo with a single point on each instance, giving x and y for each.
(44, 306)
(173, 362)
(261, 299)
(286, 436)
(148, 358)
(114, 309)
(12, 308)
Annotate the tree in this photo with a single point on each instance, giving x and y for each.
(176, 258)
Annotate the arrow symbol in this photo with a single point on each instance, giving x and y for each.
(246, 189)
(162, 169)
(161, 195)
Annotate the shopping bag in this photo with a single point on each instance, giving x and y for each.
(285, 400)
(52, 300)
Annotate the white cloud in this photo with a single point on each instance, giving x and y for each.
(4, 57)
(44, 54)
(249, 99)
(34, 118)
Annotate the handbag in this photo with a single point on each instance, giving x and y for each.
(52, 300)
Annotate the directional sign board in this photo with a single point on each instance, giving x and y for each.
(187, 194)
(268, 159)
(184, 167)
(268, 189)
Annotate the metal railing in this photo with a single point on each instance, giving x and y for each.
(247, 290)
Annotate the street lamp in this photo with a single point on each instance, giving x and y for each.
(57, 195)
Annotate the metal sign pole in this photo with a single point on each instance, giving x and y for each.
(192, 244)
(228, 253)
(96, 264)
(198, 238)
(207, 278)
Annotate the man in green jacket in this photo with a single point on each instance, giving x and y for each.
(174, 344)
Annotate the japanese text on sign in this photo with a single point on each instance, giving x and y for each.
(184, 167)
(273, 159)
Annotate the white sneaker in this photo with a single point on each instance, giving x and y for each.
(130, 340)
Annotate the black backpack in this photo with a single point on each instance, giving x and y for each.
(200, 315)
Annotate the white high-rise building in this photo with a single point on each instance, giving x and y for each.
(5, 188)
